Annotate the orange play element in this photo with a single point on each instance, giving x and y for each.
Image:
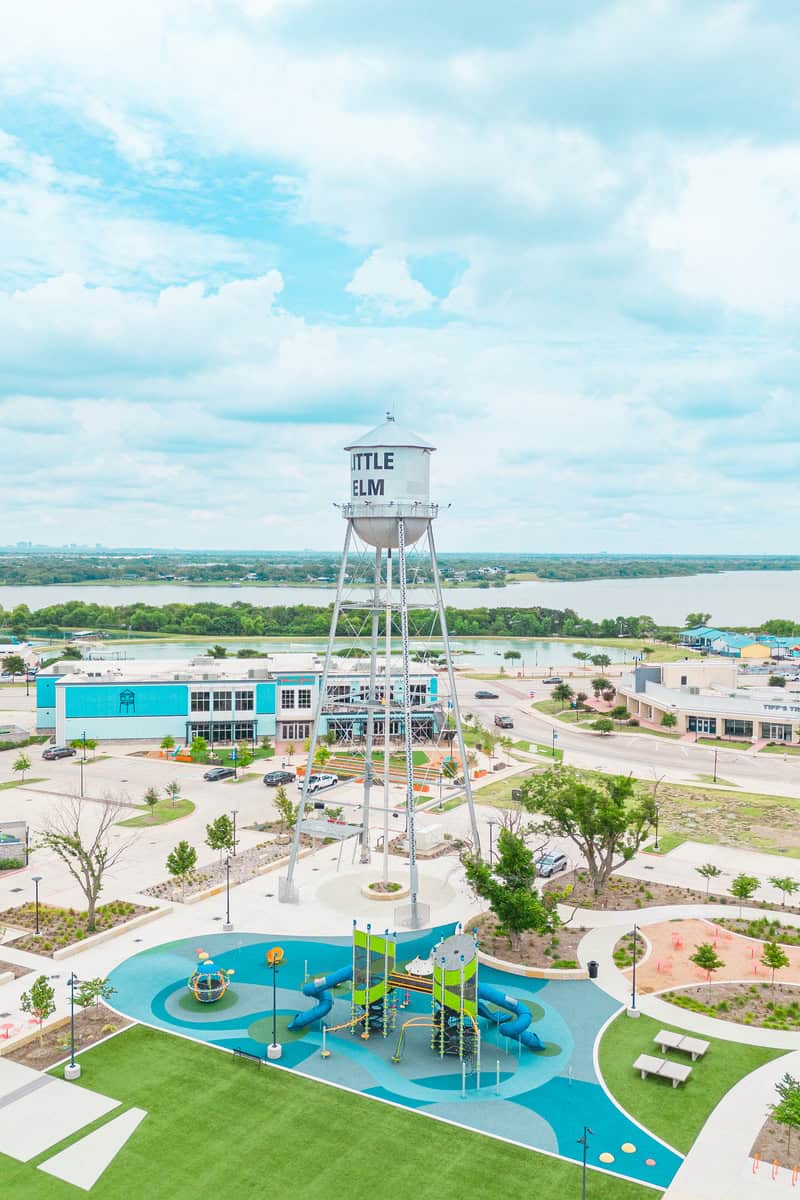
(274, 956)
(675, 942)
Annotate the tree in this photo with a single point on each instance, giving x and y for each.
(582, 656)
(694, 619)
(84, 744)
(219, 835)
(92, 991)
(787, 1111)
(181, 862)
(706, 958)
(173, 790)
(72, 652)
(619, 712)
(290, 749)
(40, 1001)
(599, 684)
(287, 810)
(198, 749)
(86, 852)
(266, 742)
(601, 661)
(774, 957)
(512, 655)
(607, 820)
(562, 693)
(21, 764)
(331, 737)
(151, 797)
(786, 885)
(217, 651)
(13, 665)
(168, 743)
(580, 699)
(322, 755)
(669, 720)
(777, 681)
(744, 887)
(603, 725)
(709, 872)
(509, 888)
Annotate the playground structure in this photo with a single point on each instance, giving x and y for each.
(207, 982)
(449, 976)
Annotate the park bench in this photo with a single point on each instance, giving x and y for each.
(666, 1039)
(648, 1064)
(239, 1053)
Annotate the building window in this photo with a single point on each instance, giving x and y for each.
(776, 733)
(304, 697)
(418, 693)
(200, 729)
(244, 731)
(702, 725)
(338, 693)
(737, 728)
(201, 702)
(223, 701)
(245, 701)
(221, 731)
(292, 731)
(287, 698)
(684, 680)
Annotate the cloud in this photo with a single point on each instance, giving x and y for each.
(385, 281)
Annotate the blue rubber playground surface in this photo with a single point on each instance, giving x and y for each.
(543, 1098)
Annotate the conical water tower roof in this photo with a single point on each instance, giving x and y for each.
(390, 434)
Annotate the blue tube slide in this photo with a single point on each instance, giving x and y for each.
(511, 1024)
(320, 987)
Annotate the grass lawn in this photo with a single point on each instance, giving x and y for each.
(676, 1114)
(775, 748)
(666, 842)
(719, 782)
(249, 1131)
(12, 783)
(224, 754)
(723, 744)
(159, 814)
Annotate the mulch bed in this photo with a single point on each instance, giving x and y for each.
(757, 1004)
(622, 893)
(16, 970)
(91, 1024)
(776, 1141)
(244, 866)
(535, 949)
(61, 927)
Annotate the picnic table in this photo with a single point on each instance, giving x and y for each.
(648, 1064)
(667, 1039)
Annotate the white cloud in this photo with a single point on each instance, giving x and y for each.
(385, 281)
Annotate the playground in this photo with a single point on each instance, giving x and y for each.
(413, 1020)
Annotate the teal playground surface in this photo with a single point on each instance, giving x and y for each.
(543, 1097)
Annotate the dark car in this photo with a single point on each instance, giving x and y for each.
(276, 778)
(551, 864)
(484, 695)
(219, 773)
(553, 679)
(504, 722)
(58, 752)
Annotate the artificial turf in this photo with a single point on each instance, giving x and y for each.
(217, 1126)
(675, 1114)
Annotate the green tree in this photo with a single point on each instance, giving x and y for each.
(181, 862)
(580, 699)
(217, 651)
(706, 958)
(13, 665)
(219, 835)
(92, 991)
(787, 1111)
(619, 713)
(173, 790)
(606, 820)
(774, 957)
(331, 737)
(84, 744)
(21, 764)
(696, 618)
(744, 887)
(601, 661)
(603, 725)
(512, 655)
(151, 797)
(562, 693)
(600, 684)
(198, 749)
(290, 749)
(709, 872)
(669, 720)
(168, 743)
(777, 681)
(509, 888)
(72, 652)
(287, 811)
(39, 1001)
(82, 840)
(786, 885)
(321, 755)
(582, 656)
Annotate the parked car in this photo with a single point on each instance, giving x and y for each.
(58, 752)
(318, 783)
(276, 778)
(552, 679)
(551, 864)
(484, 695)
(219, 773)
(504, 722)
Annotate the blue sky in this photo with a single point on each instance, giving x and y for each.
(560, 241)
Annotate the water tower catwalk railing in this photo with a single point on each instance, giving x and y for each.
(391, 511)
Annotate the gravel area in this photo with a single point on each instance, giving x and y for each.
(61, 927)
(777, 1141)
(16, 970)
(91, 1024)
(742, 1003)
(535, 949)
(244, 866)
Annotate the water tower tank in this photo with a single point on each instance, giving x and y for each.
(389, 479)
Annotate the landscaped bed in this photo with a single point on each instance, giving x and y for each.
(246, 865)
(743, 1003)
(779, 1142)
(62, 927)
(91, 1024)
(763, 929)
(622, 893)
(16, 970)
(559, 950)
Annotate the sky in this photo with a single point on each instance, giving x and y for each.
(560, 241)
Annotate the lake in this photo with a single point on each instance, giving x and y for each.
(732, 597)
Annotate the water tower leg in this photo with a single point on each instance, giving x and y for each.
(409, 749)
(387, 701)
(437, 583)
(287, 891)
(373, 668)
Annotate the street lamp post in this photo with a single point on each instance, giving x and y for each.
(80, 765)
(633, 1010)
(655, 843)
(716, 752)
(274, 958)
(37, 879)
(584, 1141)
(72, 1070)
(228, 927)
(555, 739)
(233, 815)
(84, 745)
(441, 780)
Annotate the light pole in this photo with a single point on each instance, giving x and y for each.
(233, 815)
(228, 927)
(84, 745)
(441, 779)
(37, 879)
(655, 843)
(716, 752)
(80, 765)
(72, 1070)
(555, 739)
(233, 760)
(633, 1010)
(584, 1141)
(491, 846)
(274, 958)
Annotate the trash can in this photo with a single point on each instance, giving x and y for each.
(593, 967)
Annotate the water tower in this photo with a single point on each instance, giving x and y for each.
(389, 511)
